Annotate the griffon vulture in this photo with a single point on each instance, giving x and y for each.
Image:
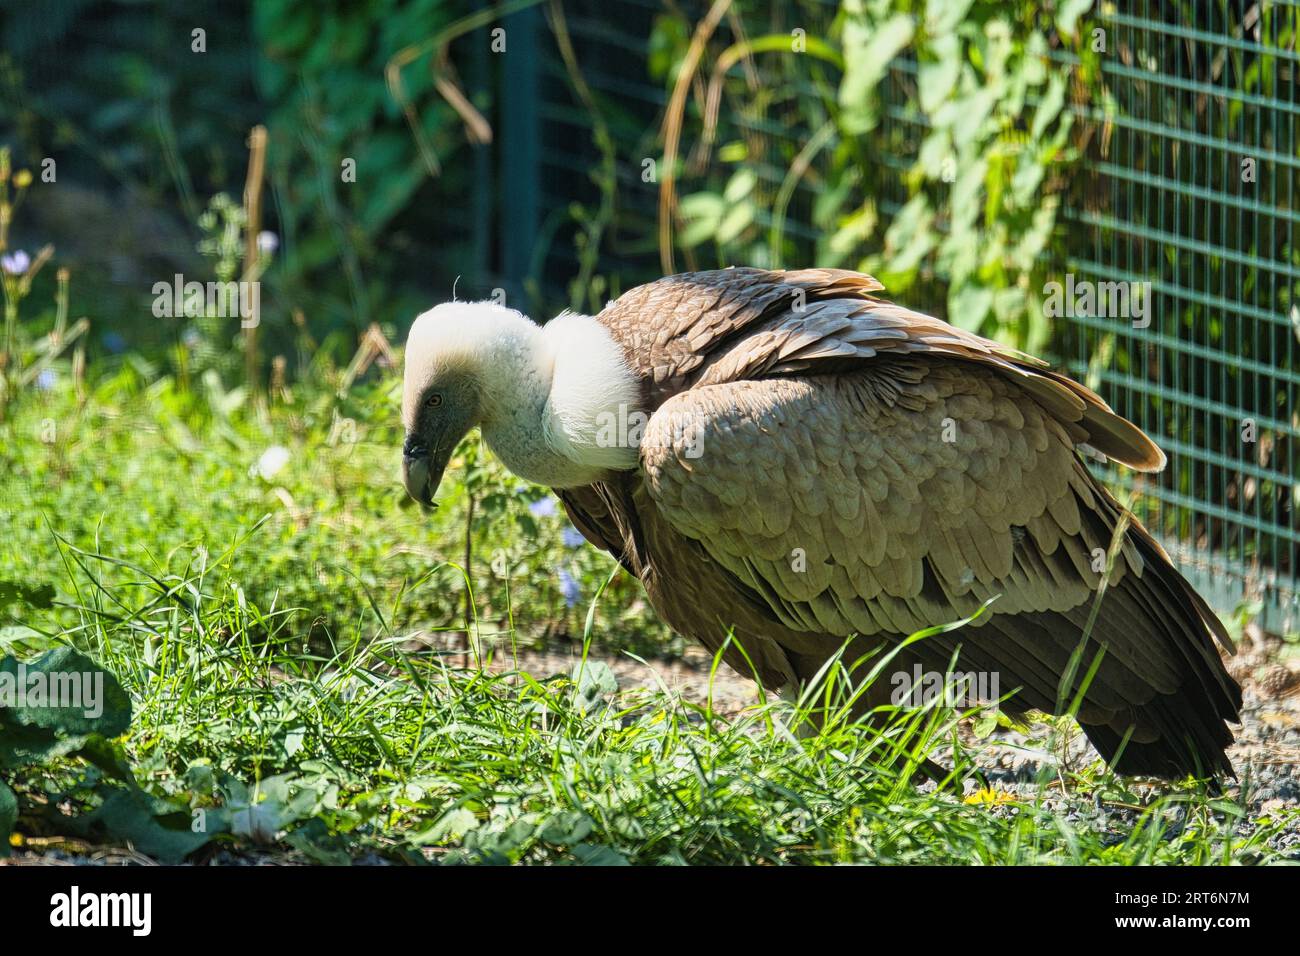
(788, 457)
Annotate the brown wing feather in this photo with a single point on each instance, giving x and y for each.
(602, 522)
(906, 495)
(706, 328)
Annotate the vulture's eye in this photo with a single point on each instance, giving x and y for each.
(434, 400)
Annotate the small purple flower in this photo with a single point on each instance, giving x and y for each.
(570, 588)
(46, 380)
(114, 343)
(572, 537)
(16, 262)
(542, 508)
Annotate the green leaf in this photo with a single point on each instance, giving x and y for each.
(856, 228)
(734, 152)
(972, 112)
(293, 741)
(133, 817)
(40, 597)
(314, 839)
(868, 50)
(967, 192)
(79, 704)
(936, 79)
(703, 205)
(21, 745)
(702, 212)
(108, 757)
(1009, 305)
(736, 221)
(1034, 239)
(740, 185)
(589, 855)
(968, 305)
(943, 16)
(1049, 107)
(1069, 14)
(23, 639)
(1025, 183)
(910, 236)
(450, 827)
(80, 696)
(392, 195)
(271, 805)
(594, 679)
(567, 828)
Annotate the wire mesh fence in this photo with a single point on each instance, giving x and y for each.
(1190, 191)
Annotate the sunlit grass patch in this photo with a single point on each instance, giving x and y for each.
(374, 750)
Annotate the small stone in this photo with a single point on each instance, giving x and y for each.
(1277, 679)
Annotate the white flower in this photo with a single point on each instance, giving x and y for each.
(16, 263)
(270, 463)
(267, 242)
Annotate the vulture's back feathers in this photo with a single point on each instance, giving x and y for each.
(850, 467)
(734, 324)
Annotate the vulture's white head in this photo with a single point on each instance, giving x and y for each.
(545, 397)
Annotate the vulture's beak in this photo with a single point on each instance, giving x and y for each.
(422, 471)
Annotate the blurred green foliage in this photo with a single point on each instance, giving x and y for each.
(966, 89)
(301, 502)
(349, 240)
(146, 121)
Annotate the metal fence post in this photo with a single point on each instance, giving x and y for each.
(520, 148)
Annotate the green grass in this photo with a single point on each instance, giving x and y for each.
(262, 631)
(159, 475)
